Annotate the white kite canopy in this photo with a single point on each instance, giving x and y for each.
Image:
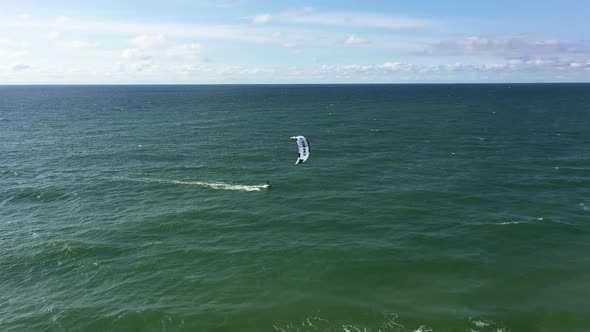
(304, 148)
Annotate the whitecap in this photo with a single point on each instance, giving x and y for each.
(423, 329)
(479, 323)
(510, 223)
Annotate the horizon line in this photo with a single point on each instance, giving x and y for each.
(334, 83)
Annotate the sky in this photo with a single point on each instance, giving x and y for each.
(263, 41)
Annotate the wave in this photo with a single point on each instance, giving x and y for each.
(204, 184)
(317, 323)
(389, 323)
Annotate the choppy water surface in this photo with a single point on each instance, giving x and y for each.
(422, 207)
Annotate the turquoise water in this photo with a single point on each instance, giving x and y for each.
(421, 207)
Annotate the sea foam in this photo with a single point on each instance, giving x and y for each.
(204, 184)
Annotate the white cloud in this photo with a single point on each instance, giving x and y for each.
(166, 49)
(511, 66)
(505, 47)
(230, 4)
(144, 67)
(62, 19)
(187, 51)
(141, 65)
(309, 16)
(12, 54)
(187, 69)
(53, 35)
(24, 16)
(146, 58)
(11, 49)
(392, 65)
(262, 18)
(148, 35)
(141, 55)
(21, 67)
(148, 41)
(76, 44)
(131, 53)
(354, 40)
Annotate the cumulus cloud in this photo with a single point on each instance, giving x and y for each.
(504, 47)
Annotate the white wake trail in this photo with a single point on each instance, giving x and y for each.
(204, 184)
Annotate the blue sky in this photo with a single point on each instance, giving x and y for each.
(246, 41)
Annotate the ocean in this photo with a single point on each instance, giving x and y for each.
(421, 208)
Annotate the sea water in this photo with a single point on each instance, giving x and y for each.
(421, 208)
